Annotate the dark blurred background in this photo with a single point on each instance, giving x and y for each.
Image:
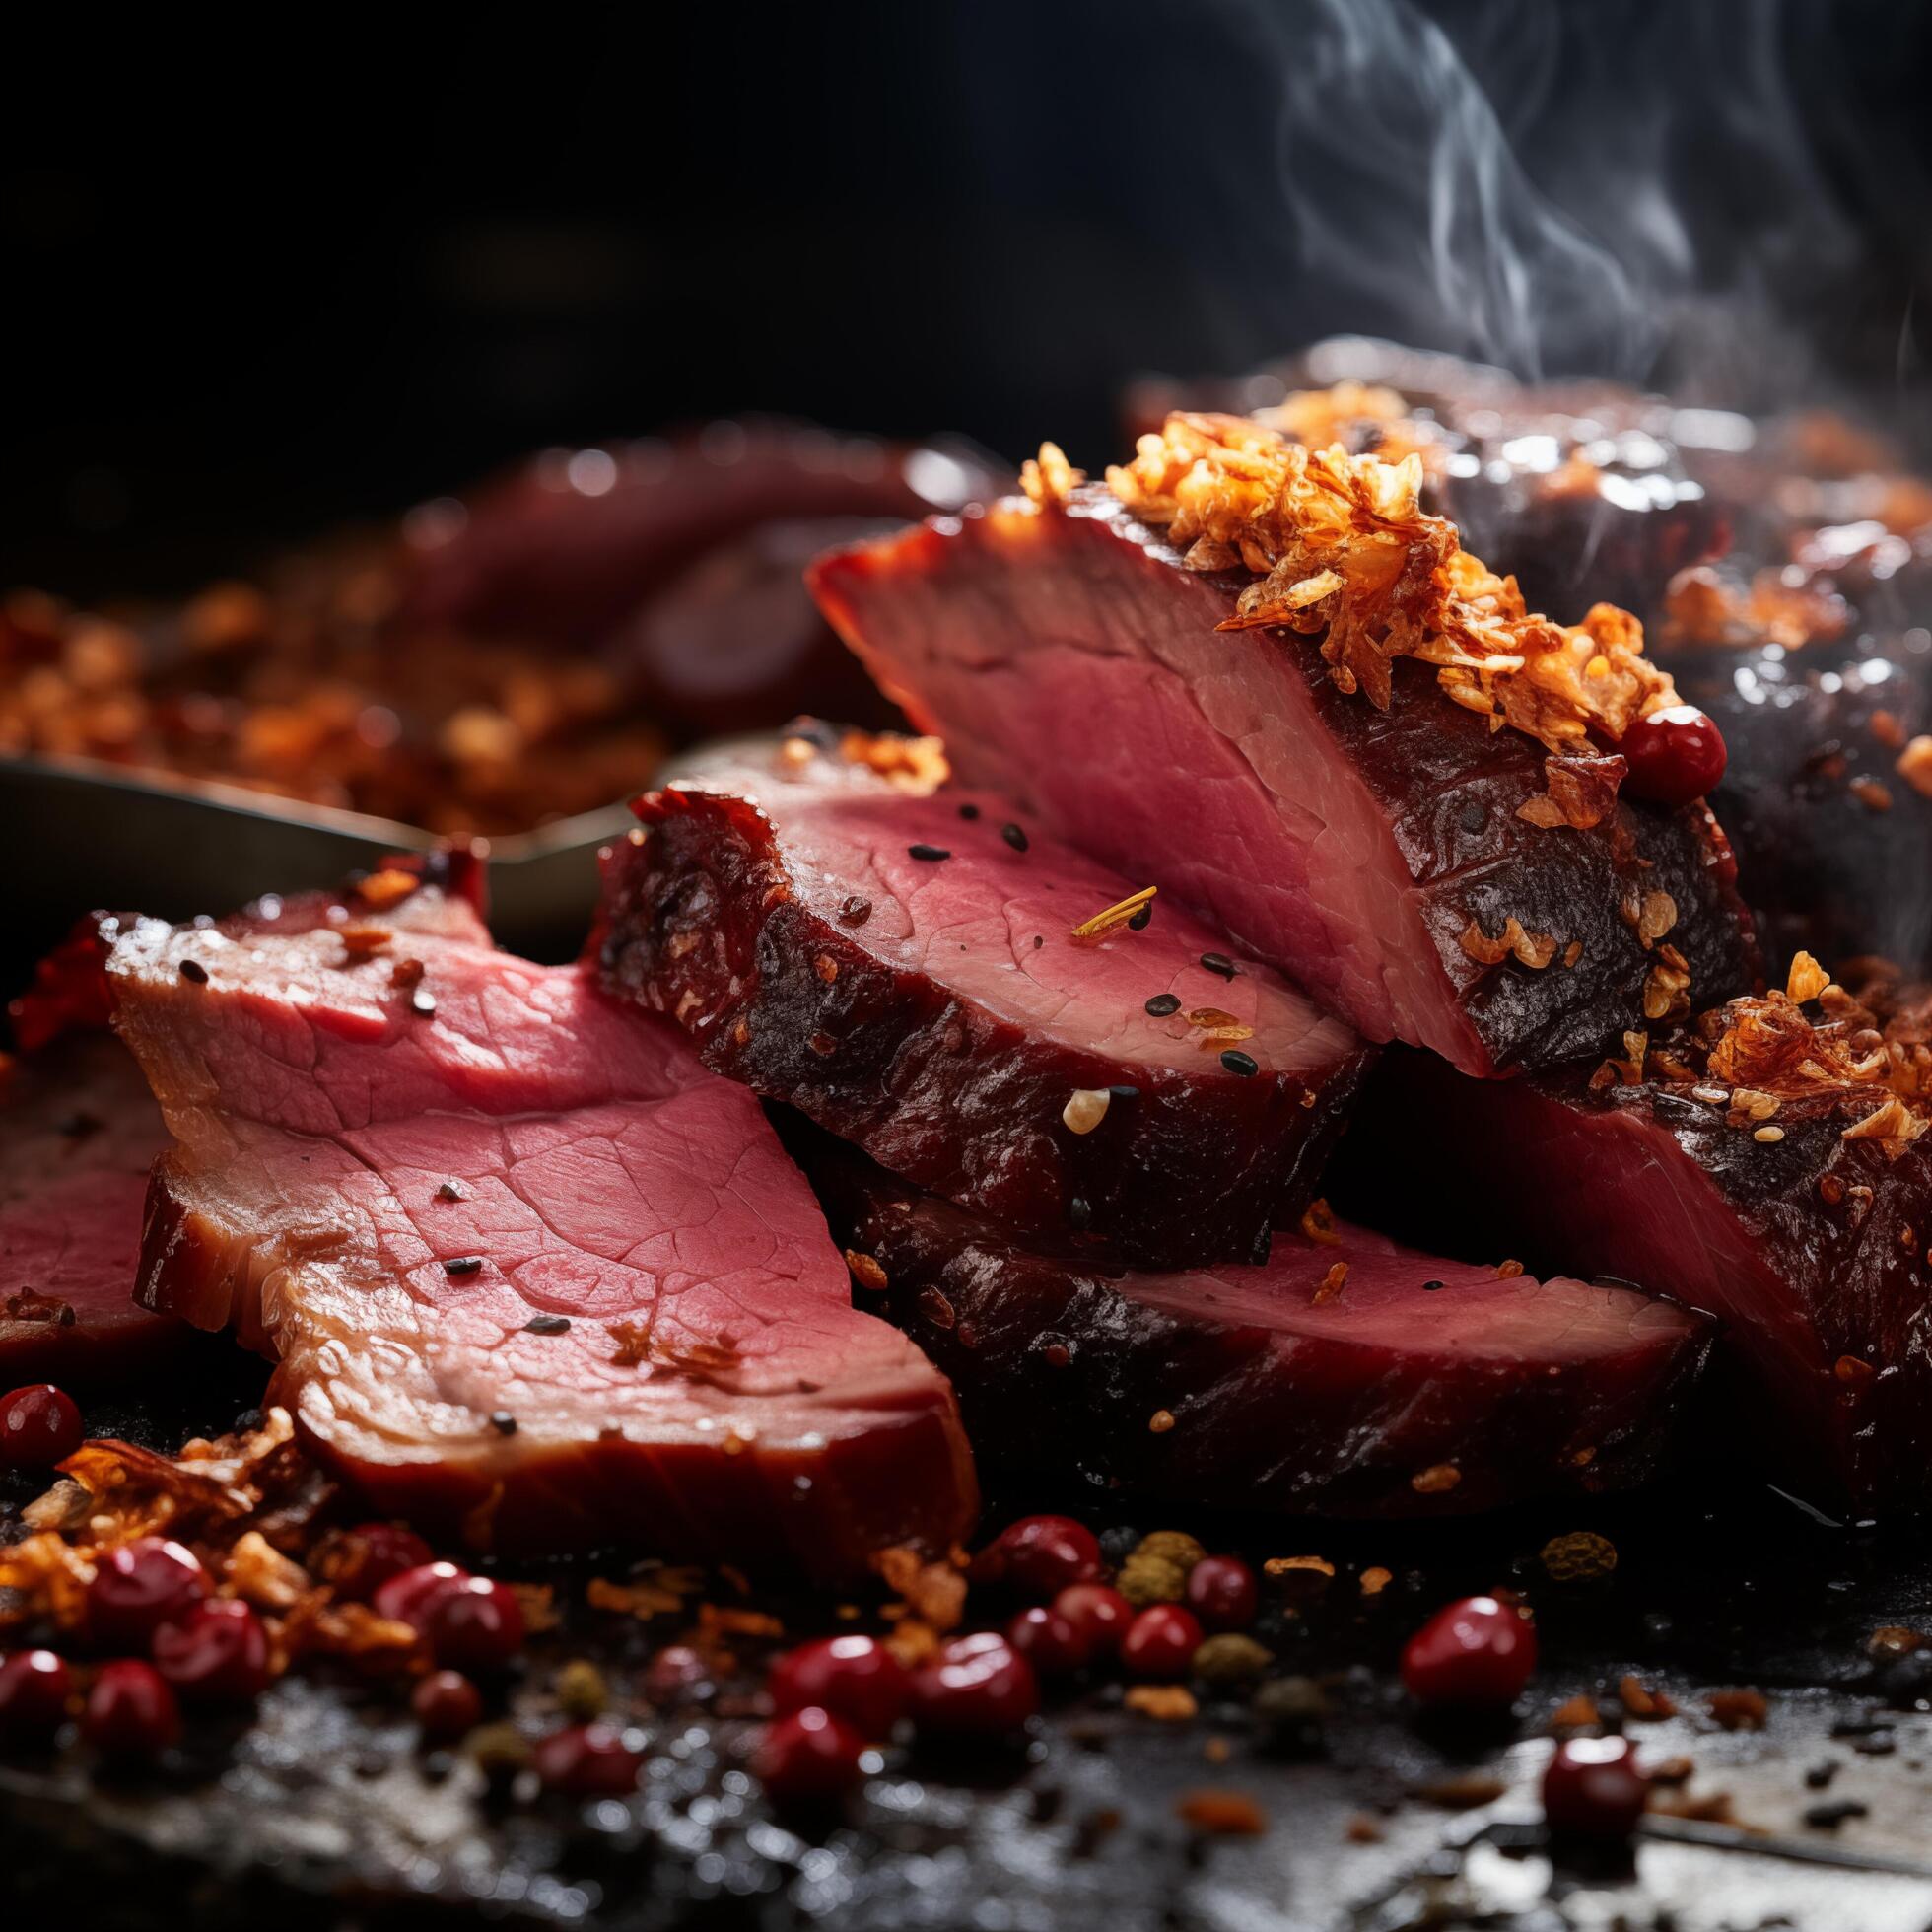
(257, 286)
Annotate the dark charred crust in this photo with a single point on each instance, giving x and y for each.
(1446, 787)
(1451, 788)
(1812, 1249)
(1340, 1430)
(700, 923)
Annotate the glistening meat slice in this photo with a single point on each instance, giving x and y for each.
(1352, 1378)
(79, 1130)
(1811, 1247)
(908, 971)
(531, 1274)
(1071, 661)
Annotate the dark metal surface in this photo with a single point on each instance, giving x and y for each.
(79, 834)
(323, 1811)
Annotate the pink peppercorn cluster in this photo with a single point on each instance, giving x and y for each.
(833, 1698)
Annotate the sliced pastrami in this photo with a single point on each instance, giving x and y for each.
(79, 1130)
(1812, 1248)
(1348, 1377)
(531, 1275)
(911, 971)
(1071, 660)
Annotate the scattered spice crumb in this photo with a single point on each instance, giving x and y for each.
(1577, 1713)
(1223, 1813)
(1161, 1420)
(1332, 1284)
(1435, 1481)
(1642, 1705)
(1738, 1710)
(1375, 1580)
(1170, 1703)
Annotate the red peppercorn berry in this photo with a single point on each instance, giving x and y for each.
(1594, 1788)
(36, 1687)
(588, 1761)
(1674, 755)
(130, 1712)
(855, 1677)
(410, 1595)
(379, 1551)
(807, 1757)
(1099, 1613)
(476, 1626)
(1039, 1555)
(138, 1587)
(974, 1687)
(1222, 1593)
(1473, 1653)
(677, 1671)
(1053, 1643)
(39, 1425)
(216, 1654)
(1161, 1641)
(447, 1704)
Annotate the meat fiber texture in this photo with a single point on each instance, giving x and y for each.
(1810, 1249)
(1344, 1378)
(79, 1130)
(531, 1274)
(1070, 659)
(941, 1012)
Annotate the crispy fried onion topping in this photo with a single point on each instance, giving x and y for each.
(1813, 1045)
(246, 1504)
(1339, 543)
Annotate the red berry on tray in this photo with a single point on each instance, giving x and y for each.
(383, 1550)
(808, 1756)
(447, 1704)
(1161, 1641)
(855, 1677)
(1099, 1612)
(130, 1712)
(476, 1626)
(1674, 755)
(676, 1672)
(1039, 1555)
(409, 1595)
(1222, 1593)
(39, 1425)
(36, 1687)
(1593, 1789)
(217, 1653)
(977, 1686)
(1473, 1653)
(1049, 1640)
(138, 1587)
(588, 1761)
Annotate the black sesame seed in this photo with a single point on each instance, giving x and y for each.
(969, 813)
(1078, 1210)
(248, 1421)
(504, 1422)
(1163, 1003)
(1015, 836)
(546, 1325)
(1218, 963)
(463, 1265)
(1125, 1092)
(1138, 921)
(194, 971)
(928, 853)
(1237, 1062)
(77, 1126)
(1429, 1288)
(855, 910)
(1039, 939)
(449, 1191)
